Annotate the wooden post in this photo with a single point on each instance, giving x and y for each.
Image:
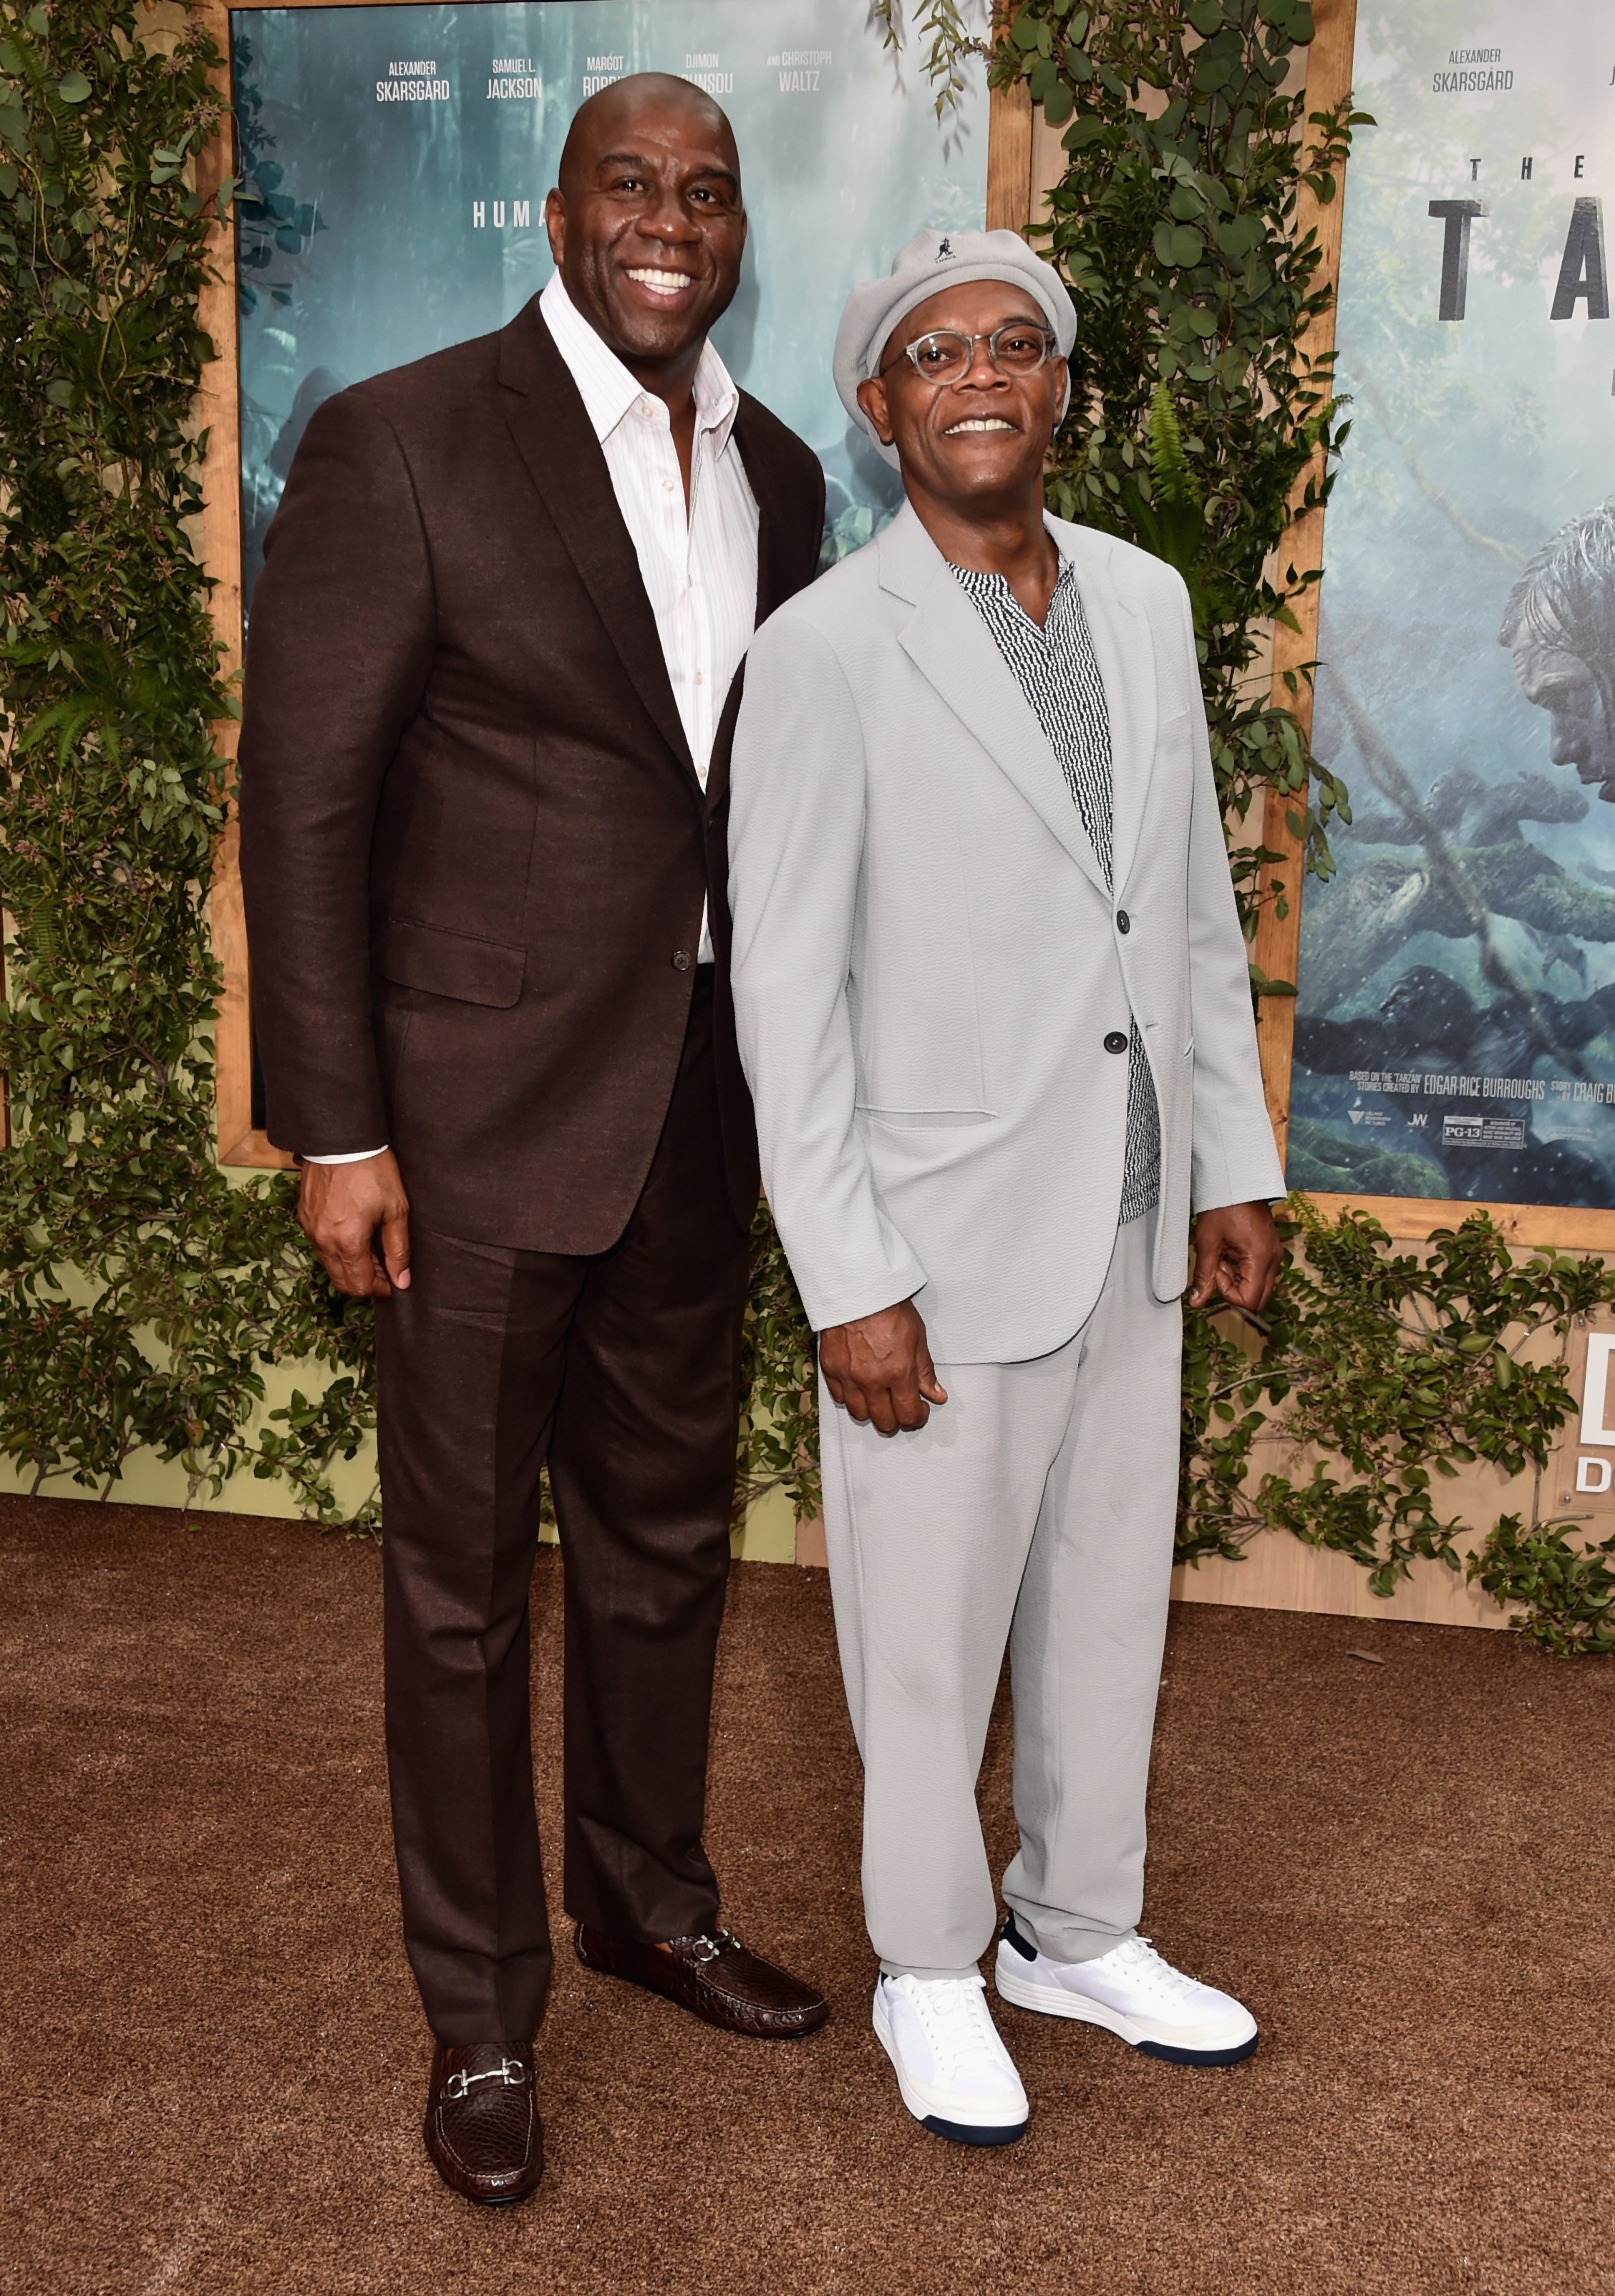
(220, 412)
(1278, 939)
(1009, 158)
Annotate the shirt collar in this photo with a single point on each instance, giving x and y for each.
(610, 392)
(996, 590)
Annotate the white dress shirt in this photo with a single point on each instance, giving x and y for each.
(698, 563)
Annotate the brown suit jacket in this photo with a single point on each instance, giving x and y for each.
(474, 848)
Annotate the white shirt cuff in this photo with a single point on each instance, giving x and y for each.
(353, 1156)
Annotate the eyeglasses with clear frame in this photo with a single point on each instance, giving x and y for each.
(1017, 347)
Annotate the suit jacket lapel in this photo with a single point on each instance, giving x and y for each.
(948, 642)
(762, 475)
(557, 442)
(1126, 654)
(774, 584)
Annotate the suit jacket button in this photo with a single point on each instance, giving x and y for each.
(1124, 922)
(682, 960)
(1116, 1042)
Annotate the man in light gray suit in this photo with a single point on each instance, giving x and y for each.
(993, 1003)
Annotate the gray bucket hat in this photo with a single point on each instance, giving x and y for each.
(932, 260)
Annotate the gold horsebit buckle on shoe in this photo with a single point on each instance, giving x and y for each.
(511, 2070)
(707, 1945)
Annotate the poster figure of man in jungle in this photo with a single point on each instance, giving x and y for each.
(1455, 1018)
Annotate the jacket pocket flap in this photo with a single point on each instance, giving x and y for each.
(450, 963)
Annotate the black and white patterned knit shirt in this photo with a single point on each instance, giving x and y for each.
(1059, 674)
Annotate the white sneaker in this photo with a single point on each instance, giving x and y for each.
(955, 2075)
(1131, 1992)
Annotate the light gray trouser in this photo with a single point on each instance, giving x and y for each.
(1036, 1505)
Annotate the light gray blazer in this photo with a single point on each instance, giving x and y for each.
(927, 963)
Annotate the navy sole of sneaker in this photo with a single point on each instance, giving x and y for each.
(1171, 2056)
(960, 2132)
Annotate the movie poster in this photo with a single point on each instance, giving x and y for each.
(394, 163)
(1455, 1019)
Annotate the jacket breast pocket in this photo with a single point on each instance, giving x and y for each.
(926, 1120)
(450, 963)
(1174, 765)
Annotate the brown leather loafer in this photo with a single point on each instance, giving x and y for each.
(482, 2126)
(716, 1978)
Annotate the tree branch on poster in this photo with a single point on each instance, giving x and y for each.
(1507, 553)
(1453, 880)
(271, 222)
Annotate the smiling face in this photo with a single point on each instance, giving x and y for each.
(979, 443)
(647, 227)
(1579, 730)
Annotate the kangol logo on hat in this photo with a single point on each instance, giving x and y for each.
(945, 253)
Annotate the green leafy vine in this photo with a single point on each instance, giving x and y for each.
(145, 1293)
(1393, 1369)
(941, 30)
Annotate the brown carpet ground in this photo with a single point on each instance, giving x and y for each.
(213, 2061)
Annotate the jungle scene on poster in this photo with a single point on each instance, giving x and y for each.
(1456, 1017)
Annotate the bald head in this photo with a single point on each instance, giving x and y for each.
(647, 225)
(609, 116)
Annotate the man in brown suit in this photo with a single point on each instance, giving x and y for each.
(484, 805)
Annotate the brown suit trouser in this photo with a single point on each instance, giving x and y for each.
(623, 1369)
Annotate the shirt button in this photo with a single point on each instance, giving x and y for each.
(1124, 922)
(680, 962)
(700, 680)
(1114, 1043)
(668, 485)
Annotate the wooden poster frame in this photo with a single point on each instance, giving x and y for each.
(1009, 167)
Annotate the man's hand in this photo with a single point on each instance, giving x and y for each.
(880, 1368)
(356, 1216)
(1236, 1253)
